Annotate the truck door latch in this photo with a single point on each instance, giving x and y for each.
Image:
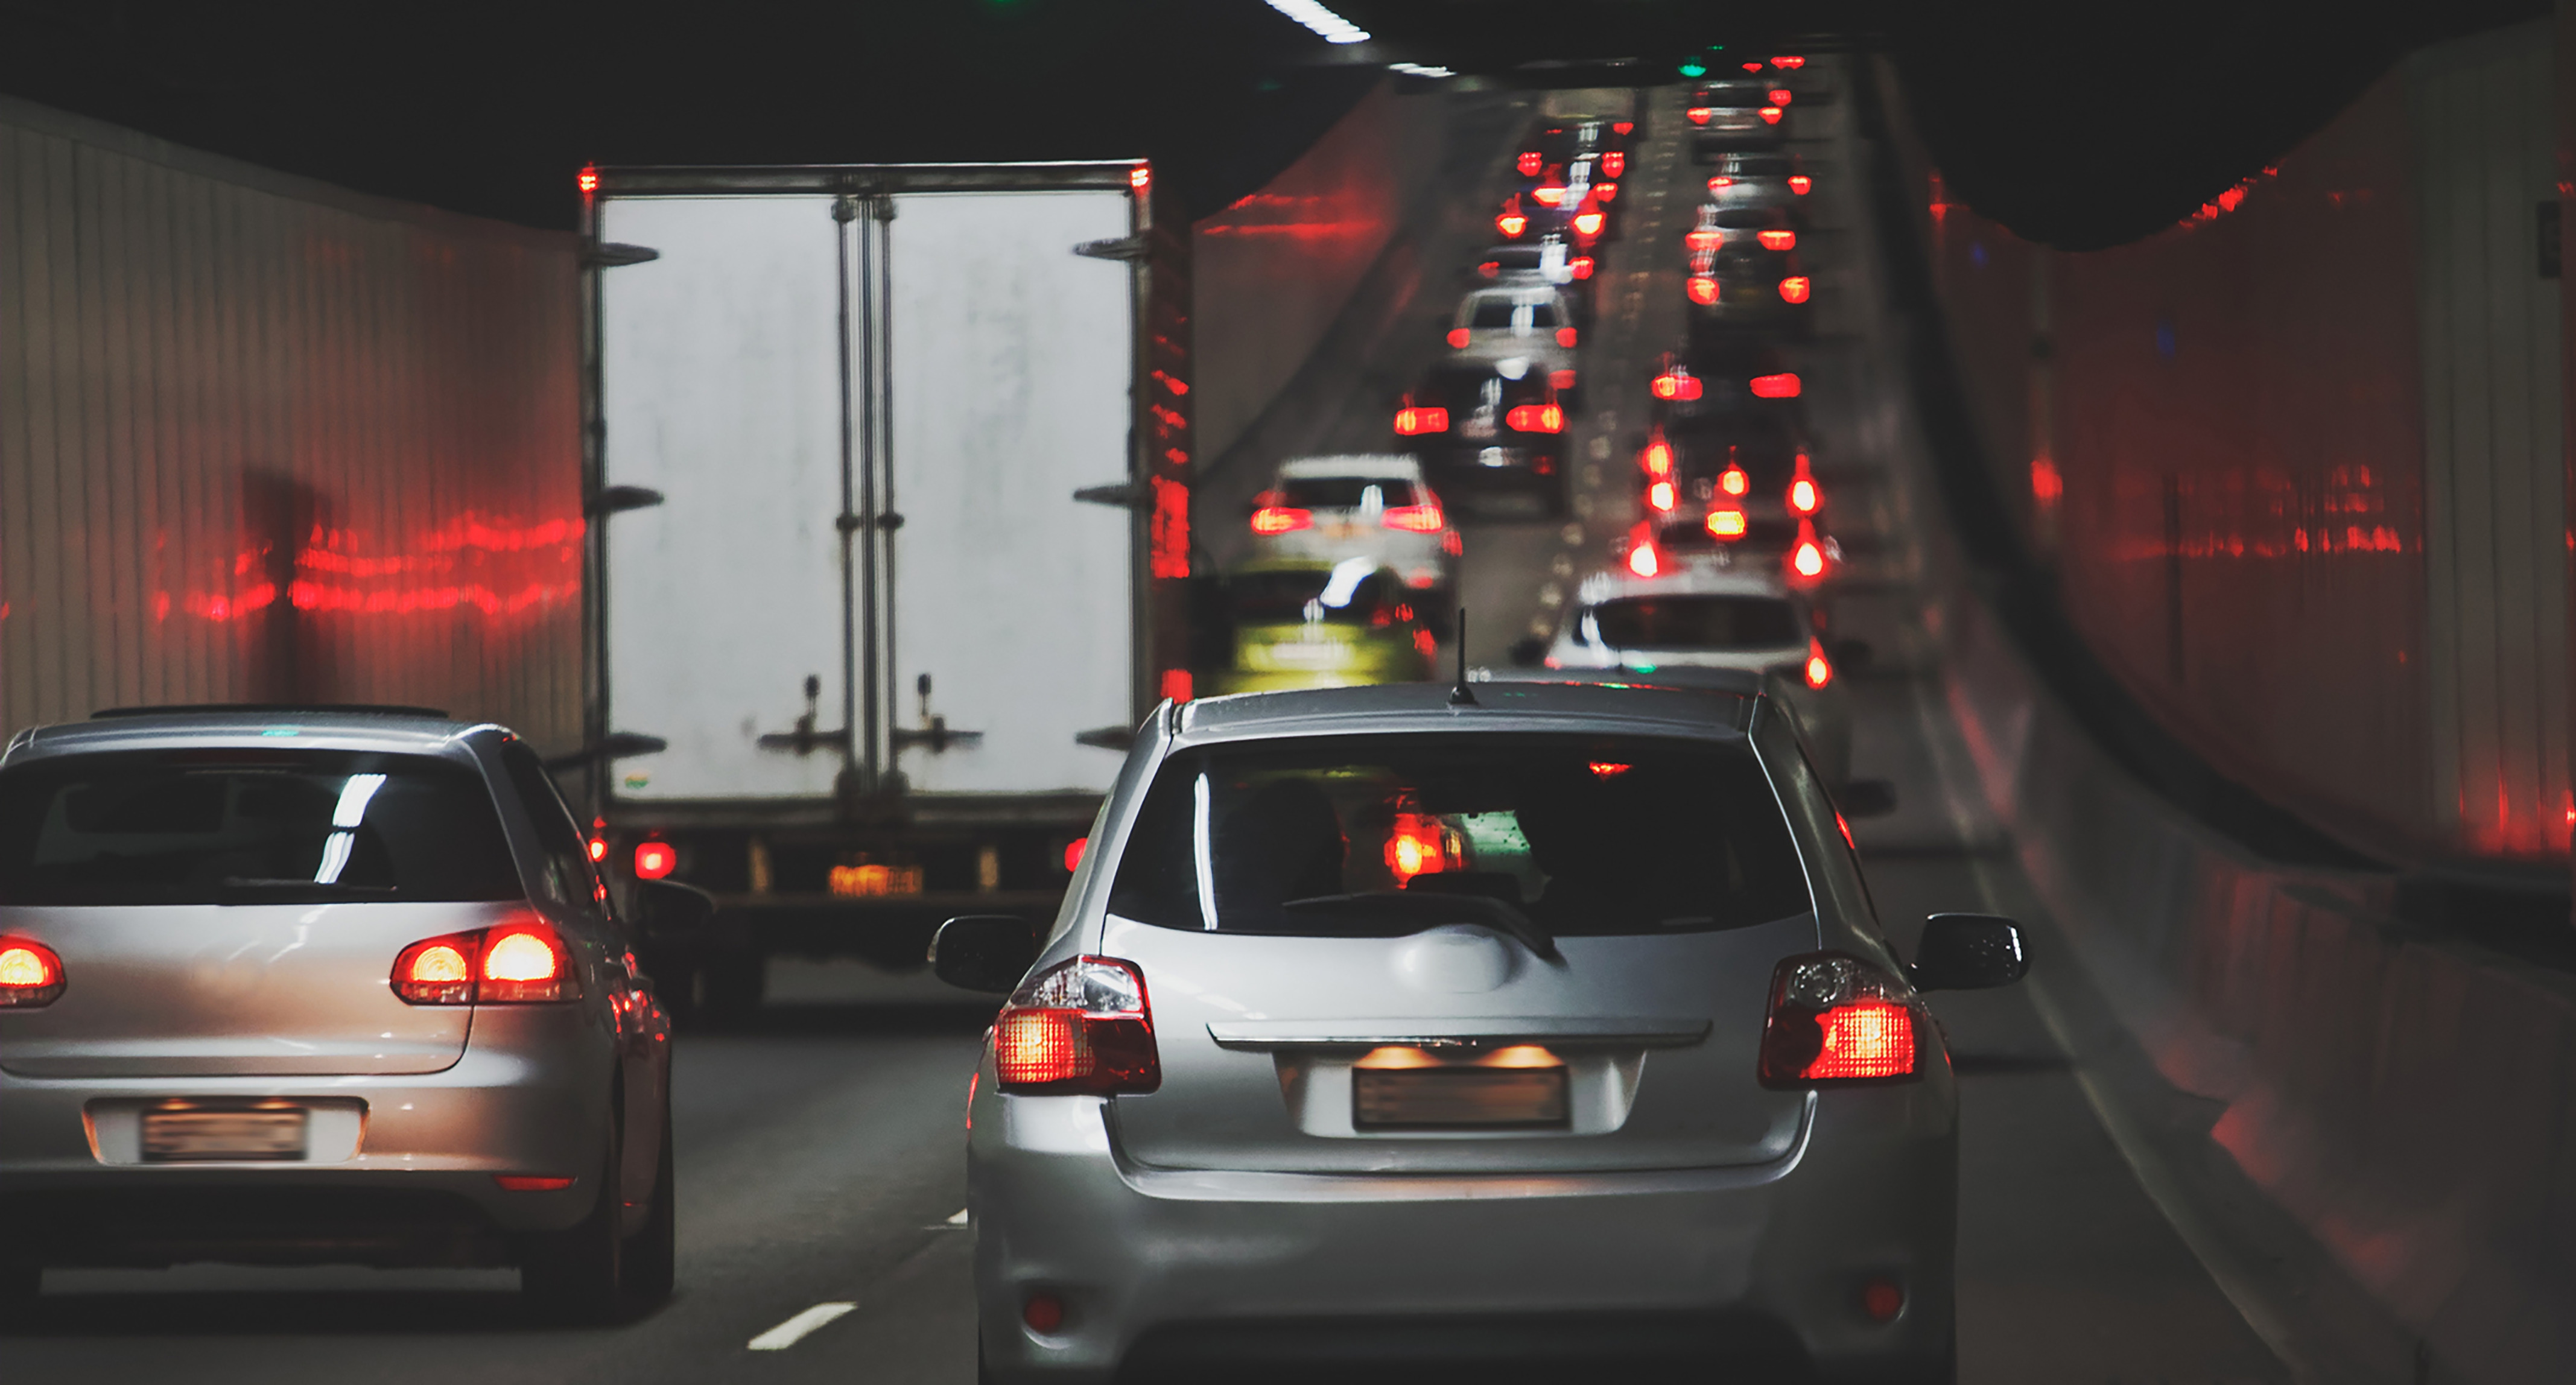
(933, 731)
(1122, 248)
(805, 739)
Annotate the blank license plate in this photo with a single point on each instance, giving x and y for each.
(178, 1137)
(1437, 1098)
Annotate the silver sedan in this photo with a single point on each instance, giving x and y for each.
(1521, 1022)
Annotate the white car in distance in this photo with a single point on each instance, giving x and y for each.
(1368, 505)
(1524, 328)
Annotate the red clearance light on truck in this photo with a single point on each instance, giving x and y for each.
(1511, 224)
(1410, 421)
(1580, 266)
(1622, 127)
(1281, 519)
(1790, 63)
(1836, 1019)
(1140, 177)
(1458, 338)
(31, 974)
(654, 860)
(1781, 386)
(1605, 192)
(1414, 519)
(1083, 1027)
(589, 181)
(1779, 96)
(1565, 337)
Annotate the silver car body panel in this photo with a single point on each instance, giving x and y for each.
(1420, 559)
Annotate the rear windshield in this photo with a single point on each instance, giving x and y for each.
(1691, 535)
(1754, 165)
(1749, 218)
(1694, 622)
(1379, 836)
(1542, 314)
(1322, 597)
(1344, 492)
(249, 826)
(1493, 312)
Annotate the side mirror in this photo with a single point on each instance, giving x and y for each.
(1529, 651)
(1867, 798)
(984, 952)
(667, 909)
(1968, 952)
(1854, 656)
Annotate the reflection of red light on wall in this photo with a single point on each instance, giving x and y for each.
(1171, 529)
(2046, 486)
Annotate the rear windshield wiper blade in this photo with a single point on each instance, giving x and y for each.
(265, 885)
(1433, 910)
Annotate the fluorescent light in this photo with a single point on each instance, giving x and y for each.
(1418, 70)
(1330, 27)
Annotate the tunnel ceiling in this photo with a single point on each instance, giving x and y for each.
(2078, 126)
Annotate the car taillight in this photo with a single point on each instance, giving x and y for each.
(1490, 268)
(1560, 380)
(1779, 96)
(31, 974)
(1410, 421)
(1587, 223)
(1606, 192)
(1528, 163)
(1777, 240)
(1082, 1027)
(587, 180)
(1511, 224)
(1659, 496)
(1418, 519)
(1781, 386)
(1770, 115)
(1703, 240)
(1803, 496)
(1808, 558)
(1614, 163)
(1659, 458)
(1699, 114)
(1458, 338)
(1795, 289)
(1580, 266)
(1675, 384)
(1790, 63)
(1547, 197)
(1837, 1019)
(518, 963)
(1727, 523)
(1281, 519)
(1536, 418)
(1799, 183)
(1565, 336)
(654, 860)
(1622, 126)
(1733, 481)
(1819, 670)
(598, 847)
(1720, 183)
(1642, 561)
(1703, 290)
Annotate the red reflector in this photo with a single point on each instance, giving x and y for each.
(1043, 1313)
(1587, 223)
(1073, 854)
(1614, 163)
(1176, 684)
(1580, 266)
(1703, 290)
(1083, 1026)
(1809, 559)
(1699, 115)
(31, 974)
(1733, 481)
(1641, 560)
(1704, 240)
(1819, 670)
(1536, 418)
(1799, 183)
(1802, 496)
(1770, 115)
(1547, 197)
(1659, 458)
(1565, 336)
(654, 860)
(1725, 524)
(1777, 240)
(1458, 337)
(1720, 183)
(1409, 421)
(1782, 386)
(1560, 379)
(1836, 1019)
(1659, 496)
(1882, 1300)
(1281, 519)
(1795, 288)
(1511, 224)
(589, 180)
(1415, 519)
(1528, 163)
(1779, 96)
(530, 1183)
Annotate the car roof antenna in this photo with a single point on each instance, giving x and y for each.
(1460, 695)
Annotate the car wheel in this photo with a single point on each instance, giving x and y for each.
(576, 1275)
(652, 1254)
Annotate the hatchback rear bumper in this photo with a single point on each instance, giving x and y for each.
(1733, 1263)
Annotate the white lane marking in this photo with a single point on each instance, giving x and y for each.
(796, 1329)
(959, 1219)
(2232, 1276)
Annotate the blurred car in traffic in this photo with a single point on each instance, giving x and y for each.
(1532, 325)
(1545, 263)
(1730, 114)
(1739, 290)
(1744, 178)
(1303, 624)
(1726, 373)
(324, 986)
(1484, 427)
(1525, 1024)
(1555, 143)
(1371, 505)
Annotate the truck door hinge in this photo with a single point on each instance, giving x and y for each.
(1126, 495)
(937, 736)
(619, 499)
(1118, 738)
(610, 254)
(1122, 248)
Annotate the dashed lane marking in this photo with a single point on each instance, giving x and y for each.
(798, 1328)
(959, 1219)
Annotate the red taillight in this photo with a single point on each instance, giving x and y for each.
(1410, 421)
(1800, 183)
(1490, 268)
(1082, 1027)
(654, 860)
(1580, 266)
(1458, 338)
(1720, 183)
(1727, 523)
(1659, 458)
(1674, 384)
(1548, 196)
(1642, 561)
(1536, 418)
(1511, 224)
(1836, 1019)
(598, 848)
(1073, 854)
(1803, 495)
(1528, 163)
(1770, 115)
(1807, 560)
(1281, 519)
(1622, 127)
(1779, 96)
(1782, 386)
(1795, 289)
(1565, 336)
(1614, 163)
(31, 974)
(1560, 380)
(1789, 64)
(1703, 240)
(1587, 223)
(1777, 240)
(1733, 481)
(589, 181)
(1605, 192)
(1820, 671)
(513, 964)
(1659, 496)
(1417, 519)
(1703, 290)
(1699, 115)
(1752, 67)
(531, 1183)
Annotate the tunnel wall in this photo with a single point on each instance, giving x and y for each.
(264, 439)
(2294, 463)
(1271, 273)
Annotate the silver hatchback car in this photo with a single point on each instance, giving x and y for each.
(322, 986)
(1498, 1025)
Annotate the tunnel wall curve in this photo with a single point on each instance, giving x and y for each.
(2294, 464)
(269, 440)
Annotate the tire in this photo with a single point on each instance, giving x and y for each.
(576, 1276)
(651, 1256)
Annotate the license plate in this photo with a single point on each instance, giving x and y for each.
(1454, 1098)
(197, 1136)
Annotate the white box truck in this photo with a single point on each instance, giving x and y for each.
(889, 473)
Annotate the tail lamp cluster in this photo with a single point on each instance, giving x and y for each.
(1837, 1019)
(1536, 418)
(31, 974)
(1081, 1028)
(1410, 420)
(516, 963)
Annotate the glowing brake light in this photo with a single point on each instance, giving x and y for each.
(1547, 197)
(654, 860)
(1490, 268)
(1781, 386)
(1779, 96)
(1511, 224)
(31, 974)
(1703, 290)
(1410, 421)
(1642, 561)
(1777, 240)
(1795, 289)
(1733, 481)
(1580, 266)
(1536, 418)
(1605, 192)
(1800, 183)
(589, 180)
(1528, 163)
(1560, 380)
(1802, 496)
(1808, 559)
(1622, 127)
(1770, 115)
(1565, 336)
(1659, 496)
(1699, 115)
(1819, 671)
(1790, 63)
(1588, 223)
(1675, 384)
(1614, 163)
(1458, 337)
(1659, 458)
(1082, 1027)
(518, 963)
(1073, 854)
(1836, 1019)
(1704, 240)
(1727, 523)
(1281, 519)
(1414, 519)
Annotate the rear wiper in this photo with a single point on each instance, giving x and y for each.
(266, 885)
(1436, 909)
